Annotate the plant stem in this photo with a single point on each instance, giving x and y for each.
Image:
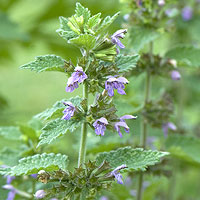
(82, 150)
(144, 122)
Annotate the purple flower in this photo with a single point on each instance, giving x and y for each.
(100, 126)
(77, 77)
(117, 174)
(12, 193)
(123, 124)
(175, 75)
(187, 13)
(115, 83)
(9, 179)
(115, 37)
(34, 175)
(122, 119)
(167, 126)
(103, 198)
(161, 2)
(40, 194)
(68, 111)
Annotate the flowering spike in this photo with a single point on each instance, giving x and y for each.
(115, 38)
(115, 83)
(100, 126)
(40, 194)
(69, 111)
(123, 124)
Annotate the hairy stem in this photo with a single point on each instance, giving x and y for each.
(82, 150)
(144, 123)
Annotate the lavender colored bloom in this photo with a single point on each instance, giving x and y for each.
(187, 13)
(167, 126)
(9, 179)
(175, 75)
(40, 194)
(69, 111)
(161, 2)
(103, 198)
(123, 124)
(77, 77)
(122, 119)
(115, 83)
(117, 174)
(115, 37)
(133, 193)
(34, 175)
(12, 193)
(128, 181)
(100, 126)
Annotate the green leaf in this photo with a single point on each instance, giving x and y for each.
(135, 159)
(55, 128)
(10, 132)
(56, 110)
(86, 41)
(94, 21)
(140, 36)
(81, 11)
(33, 164)
(185, 148)
(106, 23)
(189, 55)
(46, 63)
(126, 63)
(9, 156)
(64, 30)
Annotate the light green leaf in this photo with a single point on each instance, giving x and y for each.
(46, 63)
(86, 41)
(94, 21)
(135, 159)
(81, 11)
(55, 128)
(10, 132)
(189, 55)
(126, 63)
(185, 148)
(33, 164)
(106, 23)
(56, 110)
(140, 36)
(64, 30)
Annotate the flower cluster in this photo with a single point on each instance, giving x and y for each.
(68, 111)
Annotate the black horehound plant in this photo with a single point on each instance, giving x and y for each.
(101, 71)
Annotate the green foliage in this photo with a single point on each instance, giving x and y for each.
(140, 36)
(46, 63)
(56, 110)
(33, 164)
(185, 148)
(55, 128)
(86, 41)
(10, 132)
(135, 159)
(94, 21)
(106, 23)
(81, 11)
(188, 55)
(126, 63)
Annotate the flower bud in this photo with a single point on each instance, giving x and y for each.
(161, 2)
(40, 194)
(175, 75)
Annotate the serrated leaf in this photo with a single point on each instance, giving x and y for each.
(56, 110)
(86, 41)
(94, 21)
(10, 132)
(189, 55)
(183, 147)
(81, 11)
(33, 164)
(135, 159)
(140, 36)
(106, 23)
(55, 128)
(126, 63)
(46, 63)
(64, 30)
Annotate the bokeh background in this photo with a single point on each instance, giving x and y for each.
(28, 29)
